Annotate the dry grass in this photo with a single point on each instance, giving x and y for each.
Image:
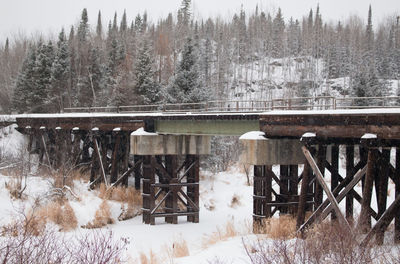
(60, 213)
(235, 202)
(102, 217)
(180, 248)
(124, 195)
(283, 227)
(150, 259)
(34, 223)
(14, 186)
(228, 231)
(120, 194)
(61, 180)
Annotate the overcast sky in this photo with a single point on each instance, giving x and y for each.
(48, 16)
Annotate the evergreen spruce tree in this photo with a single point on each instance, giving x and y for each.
(99, 27)
(40, 95)
(146, 88)
(24, 83)
(83, 29)
(124, 25)
(278, 29)
(60, 73)
(185, 86)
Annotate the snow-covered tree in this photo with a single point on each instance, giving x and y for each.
(60, 73)
(185, 86)
(147, 90)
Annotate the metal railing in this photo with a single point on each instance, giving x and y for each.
(297, 103)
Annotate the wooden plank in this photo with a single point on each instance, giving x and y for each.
(284, 182)
(349, 174)
(301, 209)
(126, 174)
(115, 158)
(364, 222)
(383, 221)
(322, 211)
(321, 157)
(384, 162)
(100, 160)
(320, 178)
(268, 190)
(335, 172)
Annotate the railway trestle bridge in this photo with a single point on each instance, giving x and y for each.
(162, 149)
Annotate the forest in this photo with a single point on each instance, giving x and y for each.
(180, 59)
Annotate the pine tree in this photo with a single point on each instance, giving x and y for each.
(124, 25)
(60, 72)
(146, 88)
(278, 28)
(83, 29)
(24, 83)
(369, 32)
(99, 27)
(40, 96)
(185, 86)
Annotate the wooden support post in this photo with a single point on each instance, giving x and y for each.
(321, 156)
(125, 162)
(364, 222)
(171, 203)
(335, 172)
(258, 216)
(268, 190)
(193, 191)
(115, 158)
(85, 150)
(301, 209)
(148, 190)
(383, 221)
(100, 159)
(397, 193)
(349, 174)
(382, 187)
(137, 174)
(326, 207)
(284, 179)
(325, 187)
(293, 187)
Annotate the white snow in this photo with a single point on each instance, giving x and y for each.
(369, 136)
(253, 135)
(308, 135)
(141, 132)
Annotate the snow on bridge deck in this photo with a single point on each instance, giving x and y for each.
(353, 123)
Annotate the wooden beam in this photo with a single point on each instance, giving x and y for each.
(320, 178)
(322, 211)
(349, 174)
(364, 221)
(301, 209)
(334, 174)
(383, 221)
(114, 158)
(97, 150)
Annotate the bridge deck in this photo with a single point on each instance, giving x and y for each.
(326, 123)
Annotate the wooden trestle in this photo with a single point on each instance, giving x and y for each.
(170, 190)
(367, 164)
(171, 182)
